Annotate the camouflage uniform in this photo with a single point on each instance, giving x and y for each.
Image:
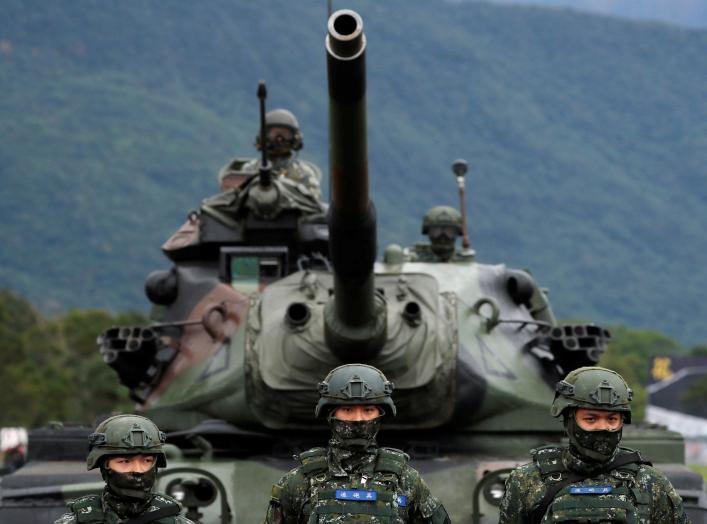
(301, 171)
(443, 224)
(402, 495)
(282, 153)
(126, 495)
(109, 509)
(639, 492)
(362, 483)
(423, 253)
(593, 480)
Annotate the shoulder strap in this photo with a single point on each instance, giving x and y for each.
(313, 461)
(391, 460)
(537, 514)
(629, 457)
(548, 459)
(632, 457)
(151, 516)
(87, 509)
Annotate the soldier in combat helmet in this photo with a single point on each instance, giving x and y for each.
(593, 479)
(442, 224)
(283, 139)
(128, 450)
(354, 479)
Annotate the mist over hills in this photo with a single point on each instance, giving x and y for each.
(586, 137)
(689, 13)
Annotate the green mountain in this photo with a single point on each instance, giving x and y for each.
(586, 137)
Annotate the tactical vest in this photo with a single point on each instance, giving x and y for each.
(89, 510)
(337, 499)
(301, 171)
(613, 497)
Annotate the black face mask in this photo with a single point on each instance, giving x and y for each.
(132, 485)
(443, 244)
(354, 436)
(594, 446)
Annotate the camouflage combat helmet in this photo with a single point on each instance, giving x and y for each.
(125, 435)
(442, 216)
(593, 388)
(283, 118)
(353, 384)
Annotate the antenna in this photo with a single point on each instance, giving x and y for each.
(265, 167)
(459, 168)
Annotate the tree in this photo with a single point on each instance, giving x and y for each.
(52, 366)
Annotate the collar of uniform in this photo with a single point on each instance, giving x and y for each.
(343, 462)
(574, 462)
(122, 507)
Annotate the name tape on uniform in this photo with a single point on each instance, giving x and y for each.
(365, 495)
(591, 490)
(356, 494)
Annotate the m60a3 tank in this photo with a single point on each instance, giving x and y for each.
(271, 288)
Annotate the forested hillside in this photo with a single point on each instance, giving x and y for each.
(586, 137)
(52, 367)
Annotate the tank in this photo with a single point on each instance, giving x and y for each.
(268, 289)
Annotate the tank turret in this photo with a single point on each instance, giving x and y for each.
(259, 317)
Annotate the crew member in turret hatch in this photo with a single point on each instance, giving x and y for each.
(442, 224)
(283, 140)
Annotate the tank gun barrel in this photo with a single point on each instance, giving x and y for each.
(355, 325)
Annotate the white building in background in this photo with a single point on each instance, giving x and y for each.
(670, 382)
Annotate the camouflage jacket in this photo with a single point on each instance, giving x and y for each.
(632, 493)
(302, 171)
(423, 253)
(377, 487)
(91, 509)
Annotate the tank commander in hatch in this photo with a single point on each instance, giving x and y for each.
(283, 140)
(442, 224)
(353, 480)
(128, 450)
(593, 479)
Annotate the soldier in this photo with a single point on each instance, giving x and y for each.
(443, 224)
(353, 479)
(128, 449)
(283, 140)
(593, 479)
